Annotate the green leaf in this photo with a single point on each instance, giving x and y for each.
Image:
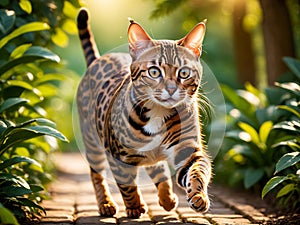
(29, 203)
(50, 77)
(287, 160)
(25, 6)
(272, 183)
(20, 83)
(32, 54)
(29, 27)
(252, 176)
(288, 126)
(251, 131)
(291, 87)
(15, 179)
(7, 217)
(293, 64)
(290, 109)
(12, 102)
(60, 38)
(16, 160)
(290, 143)
(265, 130)
(69, 26)
(19, 51)
(238, 102)
(7, 20)
(45, 130)
(13, 191)
(42, 53)
(285, 190)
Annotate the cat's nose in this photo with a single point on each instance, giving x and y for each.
(171, 87)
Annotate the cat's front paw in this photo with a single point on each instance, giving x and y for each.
(198, 201)
(107, 209)
(135, 212)
(168, 202)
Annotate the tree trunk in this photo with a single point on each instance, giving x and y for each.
(244, 53)
(278, 37)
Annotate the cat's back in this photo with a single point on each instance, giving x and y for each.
(105, 74)
(109, 67)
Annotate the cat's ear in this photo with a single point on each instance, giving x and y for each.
(193, 40)
(138, 39)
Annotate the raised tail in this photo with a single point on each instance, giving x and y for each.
(86, 37)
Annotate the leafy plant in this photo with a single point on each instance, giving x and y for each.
(262, 138)
(28, 80)
(288, 183)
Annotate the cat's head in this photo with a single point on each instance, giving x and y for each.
(166, 72)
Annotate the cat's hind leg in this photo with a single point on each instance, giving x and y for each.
(125, 176)
(95, 154)
(159, 175)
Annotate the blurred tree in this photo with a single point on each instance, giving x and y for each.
(278, 37)
(245, 58)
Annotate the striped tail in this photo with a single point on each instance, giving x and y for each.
(86, 37)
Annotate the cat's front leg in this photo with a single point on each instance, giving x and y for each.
(194, 175)
(159, 175)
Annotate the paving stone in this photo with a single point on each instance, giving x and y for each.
(193, 220)
(94, 220)
(73, 202)
(231, 221)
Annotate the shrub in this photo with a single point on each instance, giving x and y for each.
(29, 74)
(263, 128)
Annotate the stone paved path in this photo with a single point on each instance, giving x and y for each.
(73, 202)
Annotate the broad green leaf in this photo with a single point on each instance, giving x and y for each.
(32, 54)
(285, 190)
(45, 130)
(7, 217)
(293, 64)
(293, 144)
(265, 130)
(291, 87)
(16, 160)
(29, 27)
(69, 26)
(69, 10)
(50, 77)
(262, 97)
(7, 20)
(14, 191)
(20, 50)
(15, 179)
(29, 203)
(42, 53)
(288, 125)
(252, 176)
(290, 109)
(272, 183)
(251, 131)
(12, 102)
(26, 6)
(20, 83)
(240, 103)
(287, 160)
(60, 38)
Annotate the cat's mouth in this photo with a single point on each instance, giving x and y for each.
(169, 102)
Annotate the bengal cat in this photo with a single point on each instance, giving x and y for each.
(140, 109)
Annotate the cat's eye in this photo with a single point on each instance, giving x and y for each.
(154, 72)
(184, 73)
